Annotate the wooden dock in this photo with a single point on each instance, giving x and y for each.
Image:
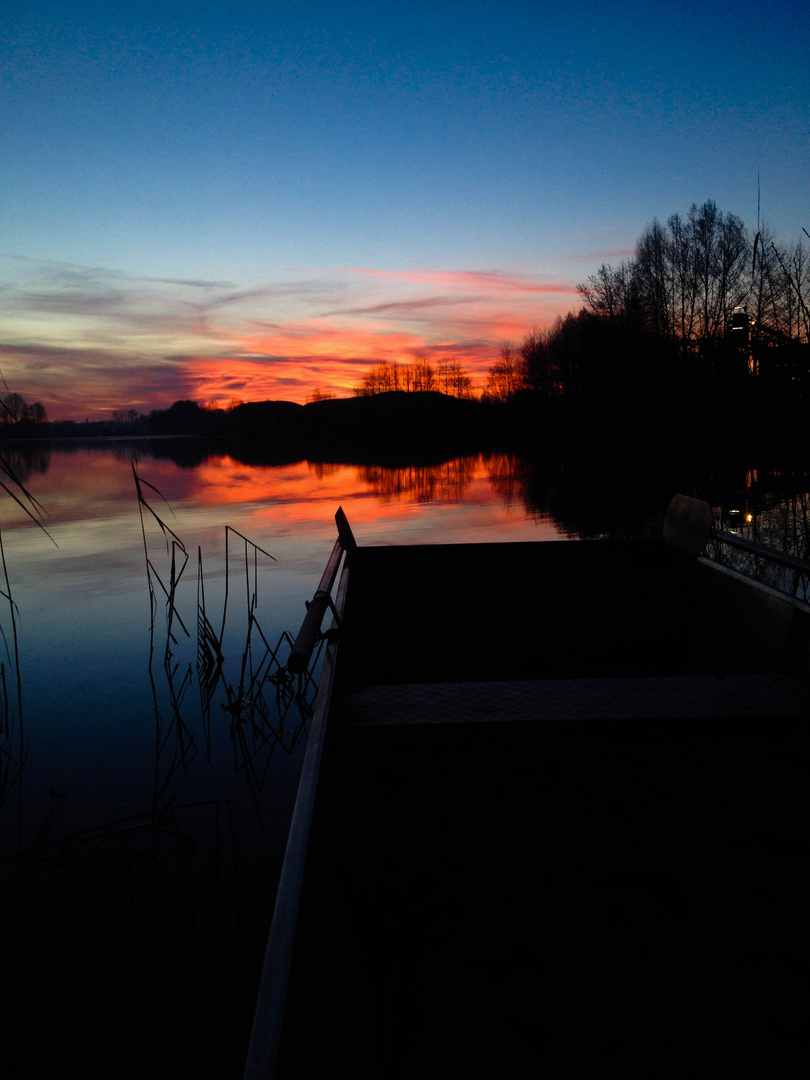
(550, 822)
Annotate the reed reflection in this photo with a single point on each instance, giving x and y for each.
(12, 742)
(267, 706)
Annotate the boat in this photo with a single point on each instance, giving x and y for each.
(549, 821)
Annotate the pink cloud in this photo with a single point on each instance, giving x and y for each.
(487, 281)
(138, 343)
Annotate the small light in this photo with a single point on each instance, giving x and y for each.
(749, 518)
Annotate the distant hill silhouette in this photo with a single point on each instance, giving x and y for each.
(399, 426)
(703, 418)
(393, 424)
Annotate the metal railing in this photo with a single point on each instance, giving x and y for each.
(310, 632)
(780, 570)
(265, 1039)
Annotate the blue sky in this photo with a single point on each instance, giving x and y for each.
(254, 199)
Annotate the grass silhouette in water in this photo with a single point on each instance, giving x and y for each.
(175, 746)
(102, 909)
(16, 490)
(178, 562)
(12, 746)
(268, 706)
(12, 733)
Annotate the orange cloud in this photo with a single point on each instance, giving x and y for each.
(85, 341)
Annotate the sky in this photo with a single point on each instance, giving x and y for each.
(254, 200)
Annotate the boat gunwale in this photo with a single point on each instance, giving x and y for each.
(268, 1018)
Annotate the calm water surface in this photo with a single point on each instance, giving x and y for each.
(142, 820)
(146, 792)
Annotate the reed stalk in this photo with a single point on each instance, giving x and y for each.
(259, 721)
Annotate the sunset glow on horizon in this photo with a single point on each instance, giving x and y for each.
(226, 345)
(259, 202)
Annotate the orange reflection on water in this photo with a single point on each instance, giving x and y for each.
(91, 501)
(461, 500)
(315, 484)
(72, 483)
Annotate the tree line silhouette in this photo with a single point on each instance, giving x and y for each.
(699, 298)
(14, 409)
(447, 377)
(702, 315)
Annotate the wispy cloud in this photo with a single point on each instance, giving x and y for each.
(597, 257)
(487, 281)
(405, 307)
(86, 339)
(71, 272)
(190, 283)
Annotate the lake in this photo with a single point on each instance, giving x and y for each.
(151, 737)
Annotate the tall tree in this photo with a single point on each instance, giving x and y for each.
(379, 379)
(504, 378)
(612, 292)
(452, 379)
(13, 407)
(692, 273)
(422, 374)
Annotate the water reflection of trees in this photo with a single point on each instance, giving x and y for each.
(771, 507)
(767, 505)
(324, 469)
(586, 495)
(31, 457)
(602, 495)
(507, 475)
(424, 483)
(28, 459)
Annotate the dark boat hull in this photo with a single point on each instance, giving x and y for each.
(555, 827)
